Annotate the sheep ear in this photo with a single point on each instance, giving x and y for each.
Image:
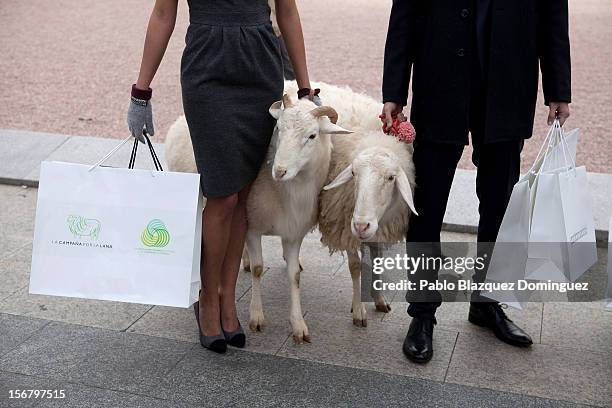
(403, 185)
(275, 109)
(344, 176)
(326, 127)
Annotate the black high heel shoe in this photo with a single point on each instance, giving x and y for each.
(215, 343)
(236, 338)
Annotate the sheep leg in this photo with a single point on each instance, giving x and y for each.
(360, 315)
(291, 253)
(246, 262)
(301, 268)
(256, 319)
(379, 298)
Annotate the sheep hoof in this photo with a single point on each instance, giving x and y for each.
(300, 331)
(383, 307)
(256, 327)
(360, 315)
(247, 267)
(256, 323)
(360, 322)
(299, 338)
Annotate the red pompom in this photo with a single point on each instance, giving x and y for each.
(402, 130)
(406, 132)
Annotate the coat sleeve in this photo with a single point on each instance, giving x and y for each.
(398, 55)
(554, 50)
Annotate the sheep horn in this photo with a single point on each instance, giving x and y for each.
(287, 101)
(325, 111)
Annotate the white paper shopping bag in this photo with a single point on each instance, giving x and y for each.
(117, 234)
(562, 242)
(510, 261)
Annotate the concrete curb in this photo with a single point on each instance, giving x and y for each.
(20, 165)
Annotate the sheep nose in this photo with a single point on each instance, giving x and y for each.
(279, 172)
(361, 227)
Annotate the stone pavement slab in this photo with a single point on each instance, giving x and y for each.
(96, 313)
(16, 329)
(22, 151)
(581, 326)
(262, 380)
(88, 150)
(376, 347)
(96, 357)
(17, 208)
(77, 396)
(15, 272)
(547, 371)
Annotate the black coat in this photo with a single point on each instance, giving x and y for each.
(436, 40)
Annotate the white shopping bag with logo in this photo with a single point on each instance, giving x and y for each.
(510, 257)
(117, 234)
(562, 243)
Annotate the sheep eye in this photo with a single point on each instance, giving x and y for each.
(391, 178)
(312, 136)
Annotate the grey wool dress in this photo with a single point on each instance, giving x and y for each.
(231, 72)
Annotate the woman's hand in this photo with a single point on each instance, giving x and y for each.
(140, 114)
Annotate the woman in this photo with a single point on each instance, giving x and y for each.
(231, 72)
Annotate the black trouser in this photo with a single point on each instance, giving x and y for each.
(498, 170)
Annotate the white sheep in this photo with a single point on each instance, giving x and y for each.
(284, 197)
(367, 199)
(359, 113)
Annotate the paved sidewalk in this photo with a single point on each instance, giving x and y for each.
(119, 354)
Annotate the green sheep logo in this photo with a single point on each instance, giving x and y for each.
(83, 227)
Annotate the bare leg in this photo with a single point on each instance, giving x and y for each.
(231, 263)
(216, 230)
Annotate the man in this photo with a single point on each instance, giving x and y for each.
(474, 66)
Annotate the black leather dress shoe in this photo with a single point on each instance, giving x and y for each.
(492, 315)
(418, 343)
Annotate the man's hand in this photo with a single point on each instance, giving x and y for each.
(558, 110)
(391, 109)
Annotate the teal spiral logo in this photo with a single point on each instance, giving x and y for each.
(155, 235)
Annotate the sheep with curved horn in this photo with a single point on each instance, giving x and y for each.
(284, 196)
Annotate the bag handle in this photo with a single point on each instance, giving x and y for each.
(565, 146)
(156, 160)
(556, 136)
